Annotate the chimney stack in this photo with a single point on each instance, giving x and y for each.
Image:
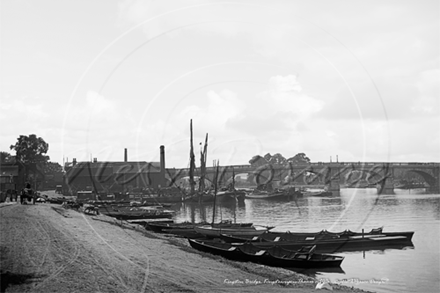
(162, 165)
(125, 155)
(74, 162)
(162, 157)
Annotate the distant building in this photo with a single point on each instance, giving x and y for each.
(51, 180)
(114, 177)
(9, 177)
(111, 177)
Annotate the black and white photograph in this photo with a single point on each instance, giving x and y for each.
(220, 146)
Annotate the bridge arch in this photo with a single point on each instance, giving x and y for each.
(431, 180)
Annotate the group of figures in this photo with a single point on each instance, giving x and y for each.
(27, 195)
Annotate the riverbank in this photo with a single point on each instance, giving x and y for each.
(46, 248)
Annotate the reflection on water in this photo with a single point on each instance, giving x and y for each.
(410, 269)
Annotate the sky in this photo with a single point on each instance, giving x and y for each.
(352, 80)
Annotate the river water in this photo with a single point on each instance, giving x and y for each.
(411, 269)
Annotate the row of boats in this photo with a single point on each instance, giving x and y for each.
(229, 194)
(130, 212)
(248, 242)
(157, 207)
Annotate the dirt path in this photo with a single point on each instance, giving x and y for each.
(45, 248)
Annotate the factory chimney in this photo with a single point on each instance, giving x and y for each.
(125, 155)
(162, 166)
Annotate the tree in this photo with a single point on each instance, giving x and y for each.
(52, 174)
(257, 161)
(52, 167)
(6, 157)
(267, 157)
(299, 158)
(277, 160)
(30, 152)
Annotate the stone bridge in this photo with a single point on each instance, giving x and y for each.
(328, 175)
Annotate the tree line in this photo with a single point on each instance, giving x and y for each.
(278, 160)
(31, 159)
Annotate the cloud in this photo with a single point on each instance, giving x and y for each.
(284, 107)
(134, 11)
(93, 123)
(27, 108)
(92, 111)
(235, 123)
(285, 84)
(415, 140)
(387, 98)
(204, 17)
(286, 94)
(24, 116)
(428, 102)
(99, 105)
(217, 109)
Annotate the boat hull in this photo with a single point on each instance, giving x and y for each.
(279, 194)
(210, 231)
(231, 196)
(321, 235)
(140, 216)
(136, 213)
(331, 246)
(187, 228)
(162, 199)
(327, 241)
(274, 195)
(288, 259)
(163, 227)
(200, 198)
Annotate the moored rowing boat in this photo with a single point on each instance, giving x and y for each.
(305, 257)
(352, 243)
(161, 227)
(321, 235)
(212, 231)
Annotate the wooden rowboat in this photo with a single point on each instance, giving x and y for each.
(329, 245)
(305, 257)
(265, 195)
(213, 231)
(321, 235)
(161, 227)
(231, 195)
